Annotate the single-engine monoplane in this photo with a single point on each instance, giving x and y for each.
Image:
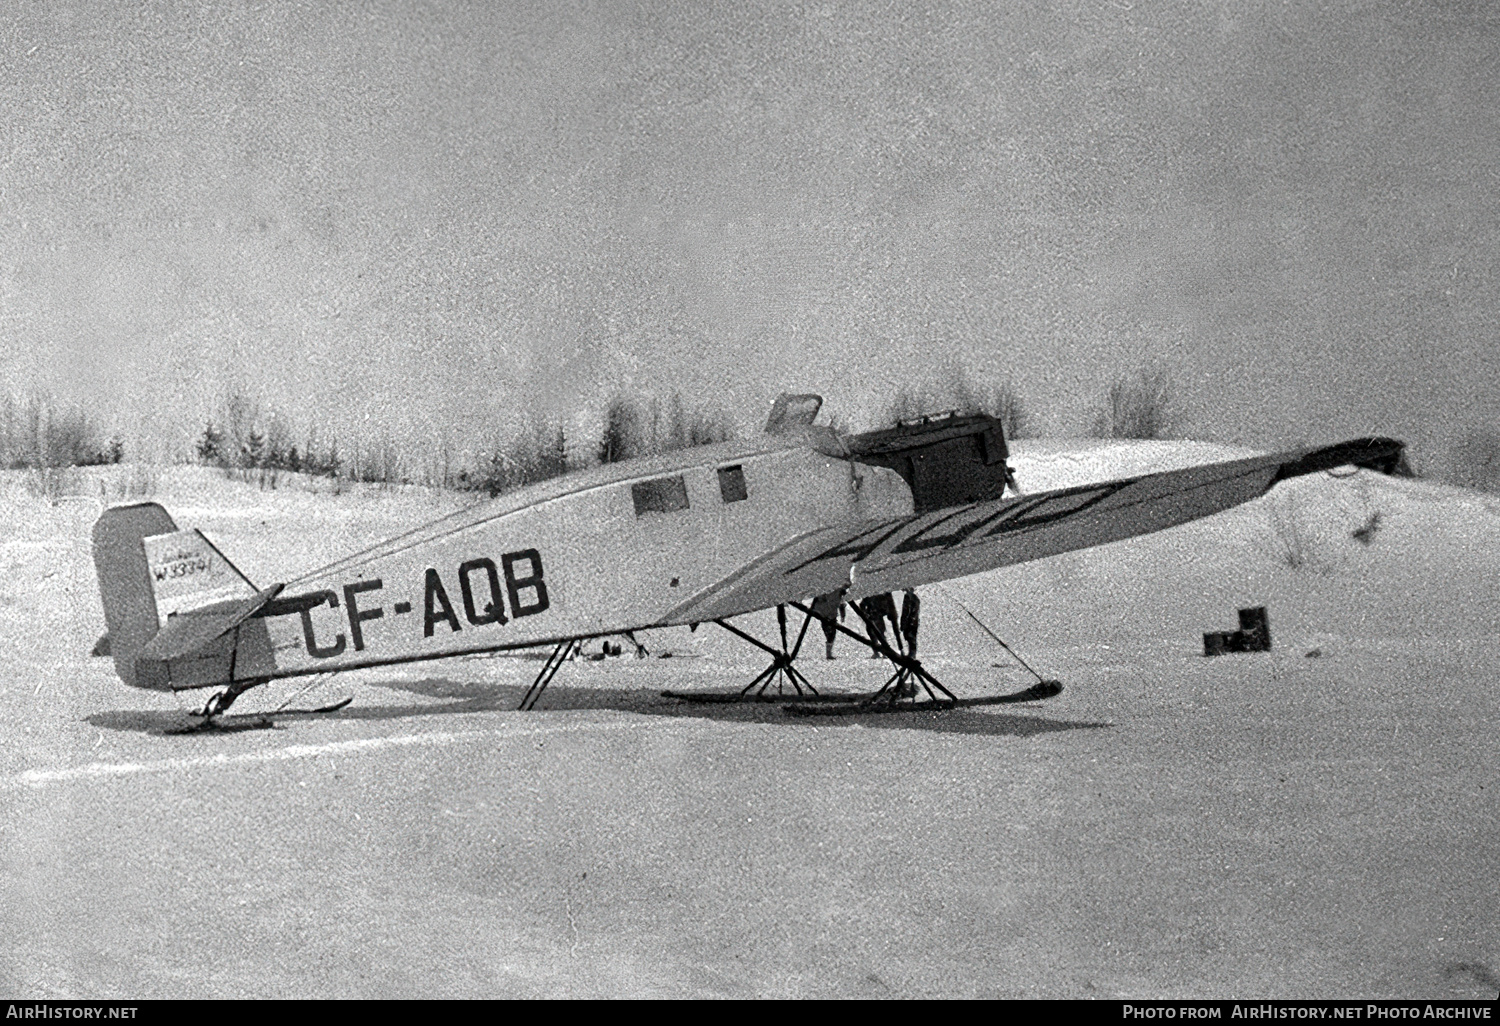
(800, 517)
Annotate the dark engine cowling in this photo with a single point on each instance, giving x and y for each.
(947, 460)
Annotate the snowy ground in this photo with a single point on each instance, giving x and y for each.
(1317, 821)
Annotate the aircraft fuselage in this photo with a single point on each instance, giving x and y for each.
(613, 548)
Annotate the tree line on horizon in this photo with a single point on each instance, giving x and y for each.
(38, 434)
(256, 445)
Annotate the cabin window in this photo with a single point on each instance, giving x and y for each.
(732, 484)
(663, 495)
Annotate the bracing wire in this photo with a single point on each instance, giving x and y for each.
(968, 612)
(317, 681)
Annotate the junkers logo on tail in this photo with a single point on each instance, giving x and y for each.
(181, 564)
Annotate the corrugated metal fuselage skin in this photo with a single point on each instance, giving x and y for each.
(567, 558)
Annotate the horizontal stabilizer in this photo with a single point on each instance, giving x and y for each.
(189, 631)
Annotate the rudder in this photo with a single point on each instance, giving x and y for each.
(125, 578)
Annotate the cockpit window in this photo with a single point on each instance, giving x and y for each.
(662, 495)
(732, 484)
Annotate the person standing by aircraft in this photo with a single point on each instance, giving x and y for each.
(888, 606)
(911, 616)
(831, 630)
(826, 608)
(877, 609)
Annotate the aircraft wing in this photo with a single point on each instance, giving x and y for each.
(907, 552)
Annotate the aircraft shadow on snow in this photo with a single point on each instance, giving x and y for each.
(468, 698)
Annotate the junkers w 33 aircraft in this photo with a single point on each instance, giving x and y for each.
(802, 516)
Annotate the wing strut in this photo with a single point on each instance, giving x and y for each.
(970, 613)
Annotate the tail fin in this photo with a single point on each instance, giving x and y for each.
(149, 571)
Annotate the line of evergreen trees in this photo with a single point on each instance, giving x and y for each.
(259, 451)
(243, 441)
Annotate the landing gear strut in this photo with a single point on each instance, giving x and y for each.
(216, 706)
(908, 668)
(887, 699)
(908, 672)
(219, 702)
(781, 670)
(781, 662)
(544, 676)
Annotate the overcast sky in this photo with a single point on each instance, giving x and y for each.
(438, 217)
